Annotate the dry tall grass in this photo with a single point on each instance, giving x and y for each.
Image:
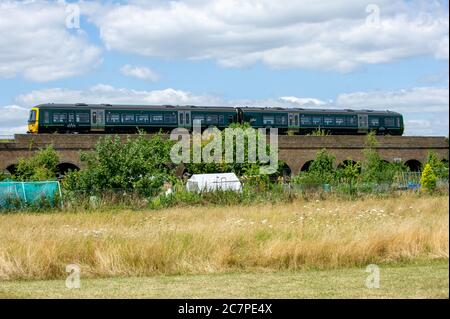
(315, 234)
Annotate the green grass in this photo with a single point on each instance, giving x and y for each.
(413, 280)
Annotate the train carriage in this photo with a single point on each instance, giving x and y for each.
(106, 118)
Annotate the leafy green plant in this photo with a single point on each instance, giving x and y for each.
(40, 167)
(245, 168)
(319, 132)
(137, 163)
(3, 176)
(440, 169)
(428, 179)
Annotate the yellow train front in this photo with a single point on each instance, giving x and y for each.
(33, 121)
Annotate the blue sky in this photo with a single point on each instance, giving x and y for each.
(299, 53)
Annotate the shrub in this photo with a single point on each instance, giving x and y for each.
(428, 179)
(321, 170)
(439, 168)
(40, 167)
(3, 176)
(240, 169)
(137, 163)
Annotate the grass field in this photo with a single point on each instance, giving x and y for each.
(274, 243)
(417, 280)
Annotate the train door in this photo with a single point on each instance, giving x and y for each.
(293, 122)
(184, 118)
(363, 123)
(97, 120)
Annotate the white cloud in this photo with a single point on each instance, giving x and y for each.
(414, 100)
(303, 101)
(425, 109)
(103, 93)
(139, 72)
(330, 35)
(13, 119)
(35, 43)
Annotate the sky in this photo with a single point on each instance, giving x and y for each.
(375, 54)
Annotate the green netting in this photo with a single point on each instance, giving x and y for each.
(23, 194)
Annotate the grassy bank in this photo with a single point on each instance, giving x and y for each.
(422, 280)
(299, 235)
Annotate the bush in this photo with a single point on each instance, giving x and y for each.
(40, 167)
(247, 168)
(428, 179)
(439, 168)
(373, 168)
(138, 163)
(3, 176)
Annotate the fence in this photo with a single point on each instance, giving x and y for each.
(23, 194)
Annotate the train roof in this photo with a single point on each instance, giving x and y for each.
(215, 108)
(133, 107)
(318, 111)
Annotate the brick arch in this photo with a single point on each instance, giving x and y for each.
(286, 170)
(414, 165)
(64, 167)
(306, 165)
(11, 168)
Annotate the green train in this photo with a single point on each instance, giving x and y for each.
(107, 118)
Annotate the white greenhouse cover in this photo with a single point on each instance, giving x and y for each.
(211, 182)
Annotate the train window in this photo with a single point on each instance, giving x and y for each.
(128, 118)
(268, 120)
(71, 117)
(221, 119)
(291, 120)
(352, 121)
(212, 119)
(181, 118)
(340, 121)
(305, 120)
(398, 122)
(113, 118)
(32, 118)
(389, 121)
(157, 118)
(187, 118)
(82, 117)
(280, 120)
(317, 120)
(296, 120)
(46, 117)
(170, 118)
(142, 118)
(198, 119)
(231, 119)
(59, 117)
(374, 121)
(328, 120)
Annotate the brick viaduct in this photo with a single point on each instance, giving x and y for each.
(295, 151)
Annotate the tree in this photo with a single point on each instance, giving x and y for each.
(40, 167)
(247, 167)
(323, 167)
(439, 168)
(350, 172)
(428, 179)
(321, 170)
(373, 168)
(136, 163)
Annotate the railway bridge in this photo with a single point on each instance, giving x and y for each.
(296, 151)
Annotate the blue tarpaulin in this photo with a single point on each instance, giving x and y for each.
(21, 194)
